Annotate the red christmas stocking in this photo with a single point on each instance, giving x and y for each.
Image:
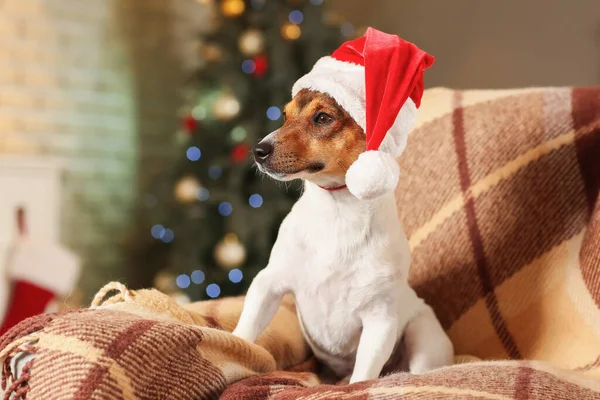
(27, 300)
(38, 271)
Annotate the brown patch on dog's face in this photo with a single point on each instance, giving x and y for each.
(318, 141)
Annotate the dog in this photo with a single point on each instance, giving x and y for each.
(345, 260)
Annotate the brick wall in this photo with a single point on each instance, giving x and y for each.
(96, 83)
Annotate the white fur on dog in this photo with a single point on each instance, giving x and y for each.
(346, 261)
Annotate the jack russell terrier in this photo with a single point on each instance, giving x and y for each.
(341, 250)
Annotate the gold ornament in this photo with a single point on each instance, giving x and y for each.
(232, 8)
(290, 31)
(226, 107)
(252, 42)
(229, 252)
(186, 189)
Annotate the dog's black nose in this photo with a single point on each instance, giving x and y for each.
(262, 151)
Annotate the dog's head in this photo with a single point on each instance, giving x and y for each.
(317, 142)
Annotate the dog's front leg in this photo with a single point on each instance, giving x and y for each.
(377, 341)
(260, 306)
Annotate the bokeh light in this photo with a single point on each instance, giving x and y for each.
(198, 277)
(225, 209)
(203, 194)
(248, 66)
(255, 200)
(236, 275)
(168, 236)
(157, 231)
(213, 290)
(273, 113)
(193, 153)
(290, 31)
(296, 17)
(183, 281)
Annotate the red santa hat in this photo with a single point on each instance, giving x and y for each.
(378, 80)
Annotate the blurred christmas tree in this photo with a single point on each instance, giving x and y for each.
(209, 222)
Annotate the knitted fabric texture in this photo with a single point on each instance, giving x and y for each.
(499, 197)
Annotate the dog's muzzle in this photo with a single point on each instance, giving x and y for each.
(262, 151)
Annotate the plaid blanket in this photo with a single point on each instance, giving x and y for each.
(499, 197)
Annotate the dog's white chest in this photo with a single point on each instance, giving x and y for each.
(348, 262)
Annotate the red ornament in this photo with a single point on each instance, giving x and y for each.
(240, 152)
(189, 124)
(260, 66)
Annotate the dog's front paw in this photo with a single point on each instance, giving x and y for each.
(372, 175)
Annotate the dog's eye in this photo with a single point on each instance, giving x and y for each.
(323, 119)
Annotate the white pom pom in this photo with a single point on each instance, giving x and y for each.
(372, 175)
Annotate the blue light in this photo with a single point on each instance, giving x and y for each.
(248, 66)
(273, 113)
(215, 172)
(168, 236)
(255, 200)
(236, 276)
(203, 194)
(347, 29)
(296, 17)
(183, 281)
(198, 277)
(225, 209)
(213, 290)
(158, 231)
(193, 153)
(316, 2)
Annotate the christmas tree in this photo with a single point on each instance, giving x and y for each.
(209, 222)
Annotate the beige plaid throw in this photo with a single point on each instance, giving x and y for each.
(499, 196)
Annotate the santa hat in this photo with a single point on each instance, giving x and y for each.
(378, 80)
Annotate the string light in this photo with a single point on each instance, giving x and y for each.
(232, 8)
(236, 275)
(251, 42)
(238, 134)
(193, 153)
(186, 189)
(226, 107)
(197, 277)
(248, 66)
(225, 209)
(168, 236)
(183, 281)
(214, 172)
(255, 200)
(157, 231)
(273, 113)
(213, 290)
(290, 31)
(199, 112)
(203, 194)
(296, 17)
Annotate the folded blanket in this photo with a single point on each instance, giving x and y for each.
(499, 197)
